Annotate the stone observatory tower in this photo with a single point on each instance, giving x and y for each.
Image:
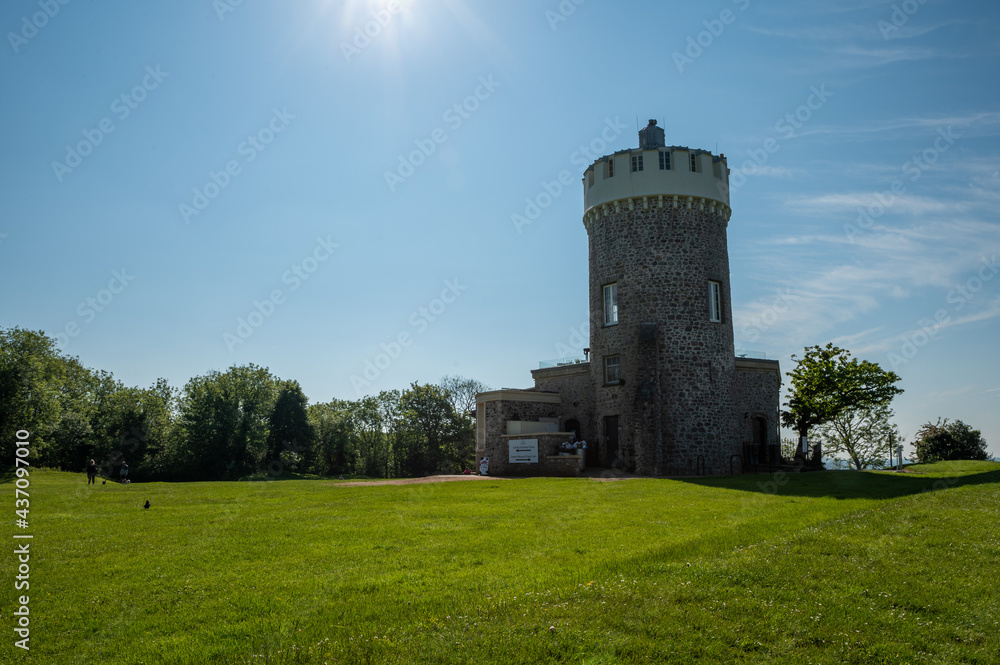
(662, 361)
(660, 391)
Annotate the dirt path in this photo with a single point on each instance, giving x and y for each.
(415, 481)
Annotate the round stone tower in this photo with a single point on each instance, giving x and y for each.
(661, 333)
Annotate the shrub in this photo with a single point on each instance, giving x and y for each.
(941, 441)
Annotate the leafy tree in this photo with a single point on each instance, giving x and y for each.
(462, 393)
(788, 448)
(70, 440)
(462, 396)
(75, 413)
(333, 451)
(434, 431)
(69, 444)
(31, 371)
(372, 422)
(942, 441)
(394, 431)
(222, 423)
(827, 381)
(865, 435)
(290, 435)
(137, 423)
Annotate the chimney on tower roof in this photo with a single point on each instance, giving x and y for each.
(651, 137)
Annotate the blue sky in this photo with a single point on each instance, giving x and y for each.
(184, 166)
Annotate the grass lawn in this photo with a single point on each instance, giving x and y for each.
(838, 567)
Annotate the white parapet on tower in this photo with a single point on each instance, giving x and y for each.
(656, 175)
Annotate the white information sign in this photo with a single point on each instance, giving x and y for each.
(523, 451)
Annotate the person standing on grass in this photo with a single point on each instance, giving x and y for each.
(92, 473)
(124, 472)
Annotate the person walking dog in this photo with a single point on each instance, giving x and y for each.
(92, 473)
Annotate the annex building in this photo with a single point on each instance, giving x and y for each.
(660, 391)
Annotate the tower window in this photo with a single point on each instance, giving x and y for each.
(694, 163)
(610, 304)
(612, 369)
(609, 168)
(636, 163)
(590, 178)
(715, 302)
(664, 160)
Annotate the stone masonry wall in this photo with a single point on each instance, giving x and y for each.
(573, 384)
(550, 463)
(497, 415)
(757, 394)
(676, 400)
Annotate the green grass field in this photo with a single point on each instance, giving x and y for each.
(837, 567)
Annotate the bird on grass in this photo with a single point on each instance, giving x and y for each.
(147, 504)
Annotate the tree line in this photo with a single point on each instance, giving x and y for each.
(240, 423)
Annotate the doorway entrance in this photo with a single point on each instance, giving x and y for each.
(759, 427)
(610, 452)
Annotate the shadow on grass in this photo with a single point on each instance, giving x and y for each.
(288, 475)
(845, 484)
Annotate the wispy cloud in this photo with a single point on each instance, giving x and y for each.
(985, 123)
(893, 342)
(835, 203)
(777, 171)
(851, 56)
(957, 392)
(854, 31)
(890, 265)
(854, 339)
